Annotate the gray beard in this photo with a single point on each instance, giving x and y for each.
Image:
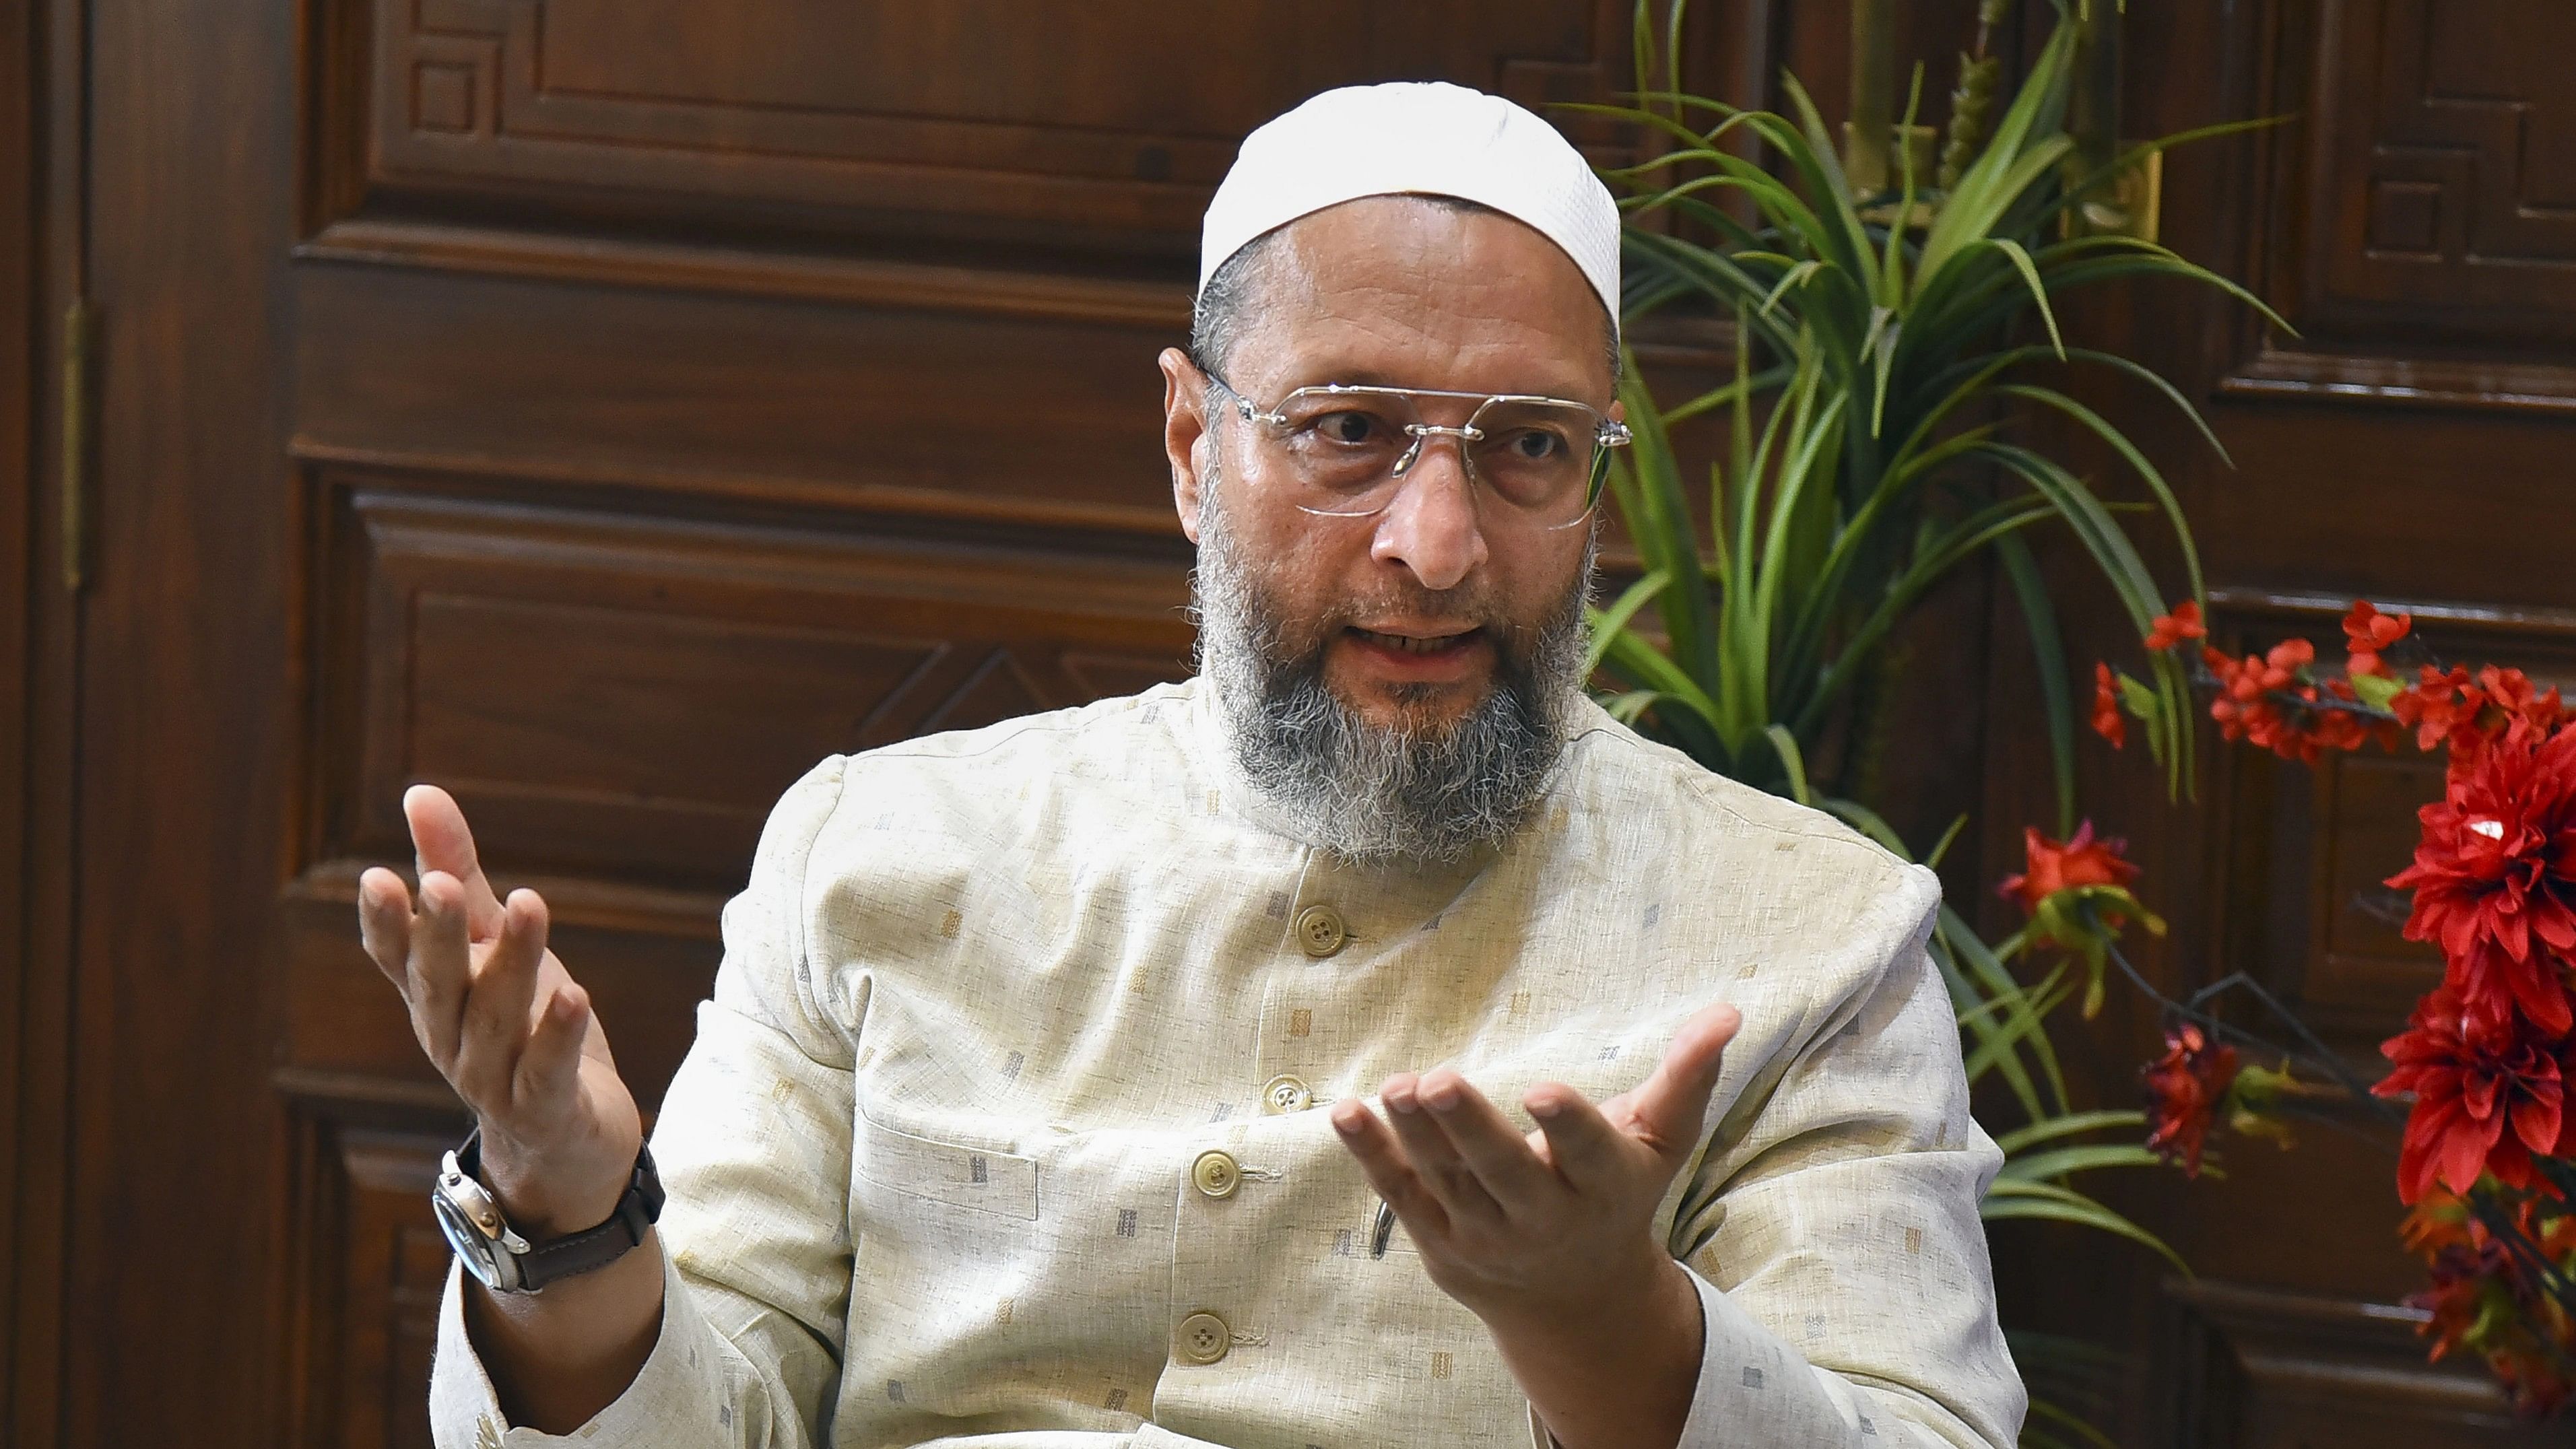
(1368, 794)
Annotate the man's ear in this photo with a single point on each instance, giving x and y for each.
(1185, 432)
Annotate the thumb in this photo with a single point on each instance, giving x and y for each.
(1669, 1109)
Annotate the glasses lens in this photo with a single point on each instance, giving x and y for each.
(1536, 455)
(1342, 445)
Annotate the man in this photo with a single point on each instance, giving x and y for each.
(1220, 1065)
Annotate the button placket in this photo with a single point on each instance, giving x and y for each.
(1219, 1222)
(1321, 931)
(1286, 1093)
(1297, 999)
(1216, 1174)
(1203, 1339)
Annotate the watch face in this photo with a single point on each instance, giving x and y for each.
(475, 1250)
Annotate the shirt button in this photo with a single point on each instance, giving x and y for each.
(1204, 1338)
(1216, 1174)
(1321, 931)
(1286, 1094)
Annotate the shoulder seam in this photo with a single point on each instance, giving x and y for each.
(804, 977)
(1702, 782)
(1020, 728)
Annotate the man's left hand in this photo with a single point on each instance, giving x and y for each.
(1548, 1237)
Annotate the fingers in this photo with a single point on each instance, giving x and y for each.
(479, 1023)
(1671, 1106)
(1587, 1148)
(1434, 1157)
(549, 1068)
(436, 968)
(384, 923)
(1491, 1147)
(496, 1005)
(1382, 1161)
(442, 842)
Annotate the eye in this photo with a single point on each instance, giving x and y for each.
(1348, 427)
(1536, 445)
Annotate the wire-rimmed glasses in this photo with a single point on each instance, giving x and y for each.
(1348, 446)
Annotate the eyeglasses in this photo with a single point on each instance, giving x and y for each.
(1347, 447)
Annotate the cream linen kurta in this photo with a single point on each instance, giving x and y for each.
(990, 996)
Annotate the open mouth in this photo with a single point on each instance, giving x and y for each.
(1414, 644)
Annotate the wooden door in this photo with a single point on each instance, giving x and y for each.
(2416, 221)
(603, 410)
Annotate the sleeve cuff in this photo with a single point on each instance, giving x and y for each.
(682, 1385)
(1755, 1388)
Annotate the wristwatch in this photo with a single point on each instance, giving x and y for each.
(505, 1262)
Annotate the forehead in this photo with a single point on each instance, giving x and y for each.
(1415, 292)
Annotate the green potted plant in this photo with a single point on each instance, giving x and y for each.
(1893, 353)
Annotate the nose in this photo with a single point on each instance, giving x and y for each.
(1431, 527)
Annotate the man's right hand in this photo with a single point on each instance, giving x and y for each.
(506, 1025)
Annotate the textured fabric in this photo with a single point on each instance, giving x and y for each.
(1420, 138)
(989, 996)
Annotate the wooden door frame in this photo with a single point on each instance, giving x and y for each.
(42, 224)
(21, 344)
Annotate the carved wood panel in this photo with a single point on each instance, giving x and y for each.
(1107, 122)
(2422, 233)
(617, 698)
(2292, 1370)
(622, 697)
(368, 1309)
(2454, 161)
(725, 402)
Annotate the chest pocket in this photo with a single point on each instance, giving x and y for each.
(967, 1177)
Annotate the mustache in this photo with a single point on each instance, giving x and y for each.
(1468, 604)
(1456, 610)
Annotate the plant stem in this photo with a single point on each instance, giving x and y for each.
(2318, 1057)
(2093, 103)
(1868, 164)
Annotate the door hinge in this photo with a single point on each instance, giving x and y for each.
(80, 325)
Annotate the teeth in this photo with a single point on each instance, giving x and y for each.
(1409, 645)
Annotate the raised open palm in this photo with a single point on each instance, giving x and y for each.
(507, 1026)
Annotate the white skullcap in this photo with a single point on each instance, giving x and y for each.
(1427, 138)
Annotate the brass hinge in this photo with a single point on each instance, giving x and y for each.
(79, 330)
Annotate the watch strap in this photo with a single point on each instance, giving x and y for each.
(592, 1248)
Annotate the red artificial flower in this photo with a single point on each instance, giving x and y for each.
(2184, 1089)
(2334, 729)
(2535, 1377)
(2463, 1277)
(2492, 982)
(2253, 693)
(2368, 634)
(2478, 1301)
(2441, 1220)
(2470, 714)
(2497, 861)
(2108, 722)
(2439, 706)
(2483, 1299)
(2281, 665)
(2171, 629)
(2055, 865)
(2518, 713)
(2472, 1082)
